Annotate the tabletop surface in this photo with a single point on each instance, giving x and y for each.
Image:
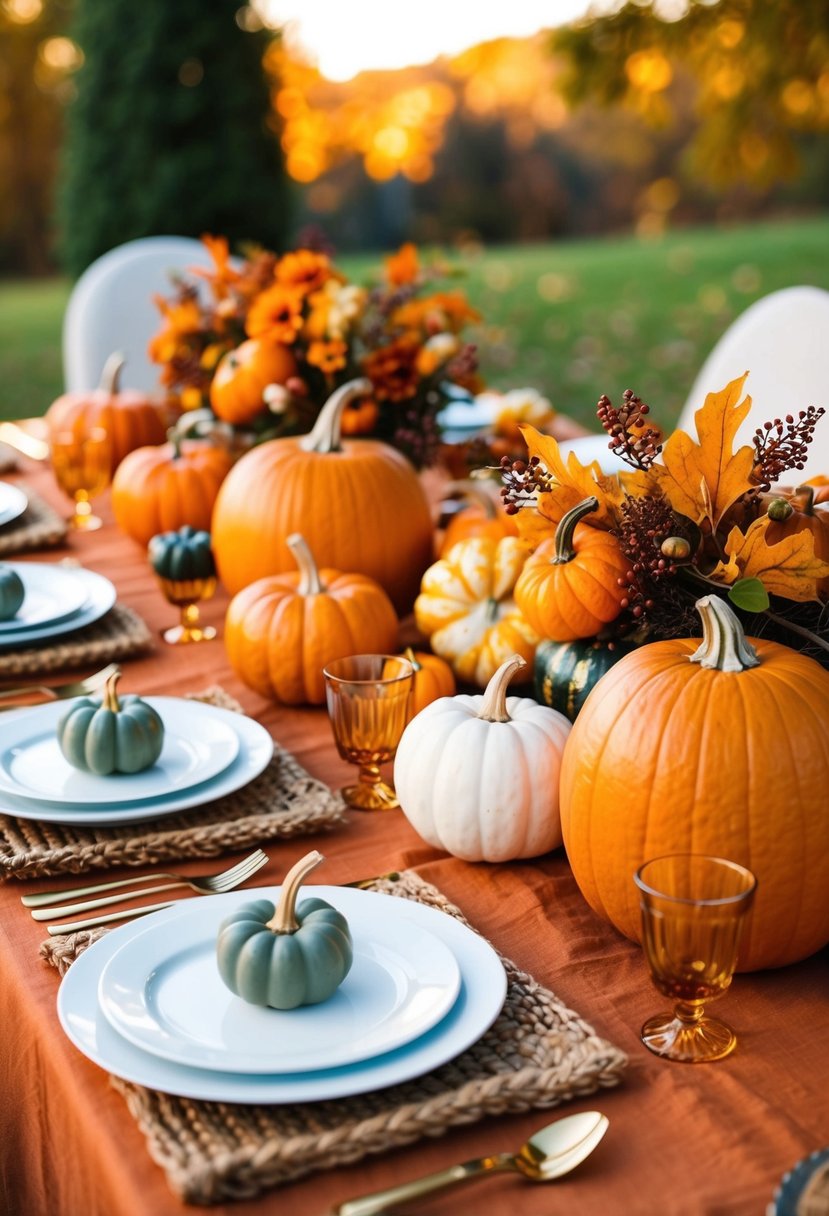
(711, 1140)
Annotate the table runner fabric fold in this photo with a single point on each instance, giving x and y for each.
(537, 1054)
(39, 527)
(119, 634)
(284, 801)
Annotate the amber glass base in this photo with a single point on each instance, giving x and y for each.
(180, 634)
(688, 1042)
(374, 796)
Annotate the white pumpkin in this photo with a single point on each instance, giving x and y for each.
(478, 776)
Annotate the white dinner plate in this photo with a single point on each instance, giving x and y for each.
(481, 996)
(255, 750)
(13, 502)
(52, 594)
(162, 991)
(98, 599)
(198, 745)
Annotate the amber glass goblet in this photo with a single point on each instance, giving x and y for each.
(368, 700)
(693, 908)
(81, 465)
(185, 594)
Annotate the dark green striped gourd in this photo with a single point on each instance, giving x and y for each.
(182, 556)
(565, 672)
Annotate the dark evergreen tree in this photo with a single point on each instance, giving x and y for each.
(171, 131)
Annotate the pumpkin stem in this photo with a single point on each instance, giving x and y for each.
(110, 698)
(310, 582)
(409, 654)
(806, 499)
(724, 646)
(494, 705)
(567, 526)
(284, 918)
(325, 436)
(111, 374)
(475, 495)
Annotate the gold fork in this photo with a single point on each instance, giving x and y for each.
(205, 884)
(60, 692)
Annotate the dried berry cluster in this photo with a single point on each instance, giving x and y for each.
(784, 444)
(654, 541)
(632, 438)
(523, 481)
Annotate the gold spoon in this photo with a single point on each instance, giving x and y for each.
(550, 1153)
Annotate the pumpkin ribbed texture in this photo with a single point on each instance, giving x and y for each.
(670, 757)
(159, 489)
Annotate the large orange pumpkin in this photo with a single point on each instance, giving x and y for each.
(281, 631)
(719, 748)
(130, 418)
(243, 374)
(159, 489)
(359, 504)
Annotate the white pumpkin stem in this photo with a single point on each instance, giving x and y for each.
(494, 705)
(111, 374)
(310, 582)
(284, 918)
(325, 436)
(475, 495)
(110, 698)
(567, 526)
(724, 646)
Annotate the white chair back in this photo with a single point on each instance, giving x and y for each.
(111, 308)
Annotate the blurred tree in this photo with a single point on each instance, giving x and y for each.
(761, 71)
(171, 130)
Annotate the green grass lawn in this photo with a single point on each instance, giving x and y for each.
(573, 319)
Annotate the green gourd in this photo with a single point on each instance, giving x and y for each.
(285, 956)
(111, 734)
(12, 593)
(565, 672)
(183, 555)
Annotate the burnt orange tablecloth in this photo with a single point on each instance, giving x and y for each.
(712, 1140)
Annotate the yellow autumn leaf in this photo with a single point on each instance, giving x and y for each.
(574, 482)
(788, 568)
(702, 480)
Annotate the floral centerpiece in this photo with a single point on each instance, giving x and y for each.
(269, 339)
(626, 556)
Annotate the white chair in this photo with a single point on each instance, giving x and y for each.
(111, 308)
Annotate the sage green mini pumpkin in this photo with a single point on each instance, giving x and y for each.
(283, 956)
(565, 672)
(111, 734)
(182, 555)
(12, 593)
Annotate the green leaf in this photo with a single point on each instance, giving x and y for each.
(749, 594)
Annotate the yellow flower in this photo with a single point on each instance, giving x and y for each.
(437, 351)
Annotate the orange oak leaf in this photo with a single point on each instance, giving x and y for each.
(788, 568)
(702, 480)
(573, 483)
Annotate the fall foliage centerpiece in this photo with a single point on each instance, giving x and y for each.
(265, 341)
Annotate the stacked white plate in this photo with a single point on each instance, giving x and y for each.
(146, 1003)
(13, 502)
(58, 599)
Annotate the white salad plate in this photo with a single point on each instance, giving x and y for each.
(162, 991)
(99, 596)
(479, 1001)
(255, 750)
(13, 502)
(198, 746)
(52, 594)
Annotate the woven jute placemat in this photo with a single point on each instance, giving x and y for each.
(119, 634)
(37, 528)
(537, 1054)
(283, 801)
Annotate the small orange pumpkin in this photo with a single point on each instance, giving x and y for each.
(569, 587)
(161, 488)
(433, 678)
(804, 518)
(243, 375)
(131, 419)
(483, 516)
(281, 631)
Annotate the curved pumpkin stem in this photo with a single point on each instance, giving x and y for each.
(310, 582)
(110, 698)
(567, 526)
(724, 646)
(284, 918)
(409, 654)
(806, 499)
(494, 705)
(325, 436)
(111, 374)
(476, 496)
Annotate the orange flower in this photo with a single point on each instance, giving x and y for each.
(327, 356)
(445, 310)
(277, 312)
(392, 369)
(304, 271)
(402, 267)
(182, 318)
(359, 417)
